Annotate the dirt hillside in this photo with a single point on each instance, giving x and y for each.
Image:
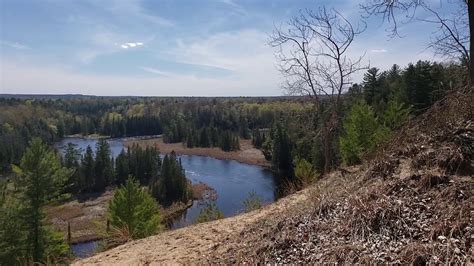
(410, 203)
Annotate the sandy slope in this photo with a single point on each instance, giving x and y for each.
(194, 243)
(413, 203)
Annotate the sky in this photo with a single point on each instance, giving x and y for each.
(170, 47)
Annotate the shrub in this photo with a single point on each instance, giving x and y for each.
(305, 172)
(396, 114)
(133, 213)
(252, 202)
(361, 133)
(209, 213)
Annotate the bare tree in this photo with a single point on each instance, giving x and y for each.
(313, 53)
(454, 37)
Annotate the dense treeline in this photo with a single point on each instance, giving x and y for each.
(93, 172)
(221, 122)
(372, 111)
(197, 122)
(287, 131)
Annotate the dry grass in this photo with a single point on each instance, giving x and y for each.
(247, 153)
(411, 204)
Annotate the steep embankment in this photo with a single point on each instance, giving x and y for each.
(411, 203)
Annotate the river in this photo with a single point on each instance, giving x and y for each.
(233, 181)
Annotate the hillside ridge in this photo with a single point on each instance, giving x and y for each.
(411, 202)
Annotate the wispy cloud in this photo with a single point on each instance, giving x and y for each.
(235, 6)
(378, 51)
(156, 71)
(14, 45)
(134, 10)
(131, 45)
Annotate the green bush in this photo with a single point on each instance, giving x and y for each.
(361, 133)
(133, 213)
(396, 114)
(305, 172)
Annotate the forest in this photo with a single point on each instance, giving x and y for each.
(283, 128)
(326, 123)
(221, 122)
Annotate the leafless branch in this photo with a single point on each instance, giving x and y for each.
(313, 54)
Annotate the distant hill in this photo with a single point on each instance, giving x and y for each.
(45, 96)
(82, 96)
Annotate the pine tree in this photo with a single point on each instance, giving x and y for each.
(87, 169)
(122, 168)
(71, 160)
(172, 185)
(361, 133)
(257, 140)
(371, 84)
(204, 140)
(304, 172)
(41, 180)
(281, 151)
(396, 114)
(103, 166)
(133, 213)
(13, 238)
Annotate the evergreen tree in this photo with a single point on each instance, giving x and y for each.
(71, 160)
(133, 213)
(421, 82)
(204, 139)
(362, 132)
(304, 172)
(41, 180)
(103, 166)
(87, 169)
(396, 114)
(257, 140)
(281, 151)
(13, 238)
(172, 185)
(122, 168)
(371, 84)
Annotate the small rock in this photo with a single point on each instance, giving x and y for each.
(441, 238)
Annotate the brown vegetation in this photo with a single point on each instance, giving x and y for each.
(82, 216)
(247, 153)
(88, 217)
(411, 204)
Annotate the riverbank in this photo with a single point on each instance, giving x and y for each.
(87, 214)
(247, 153)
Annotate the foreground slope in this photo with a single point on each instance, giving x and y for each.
(411, 203)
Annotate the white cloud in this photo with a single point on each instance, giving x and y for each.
(131, 45)
(378, 51)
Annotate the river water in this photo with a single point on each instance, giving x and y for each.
(233, 181)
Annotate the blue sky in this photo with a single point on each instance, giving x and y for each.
(166, 47)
